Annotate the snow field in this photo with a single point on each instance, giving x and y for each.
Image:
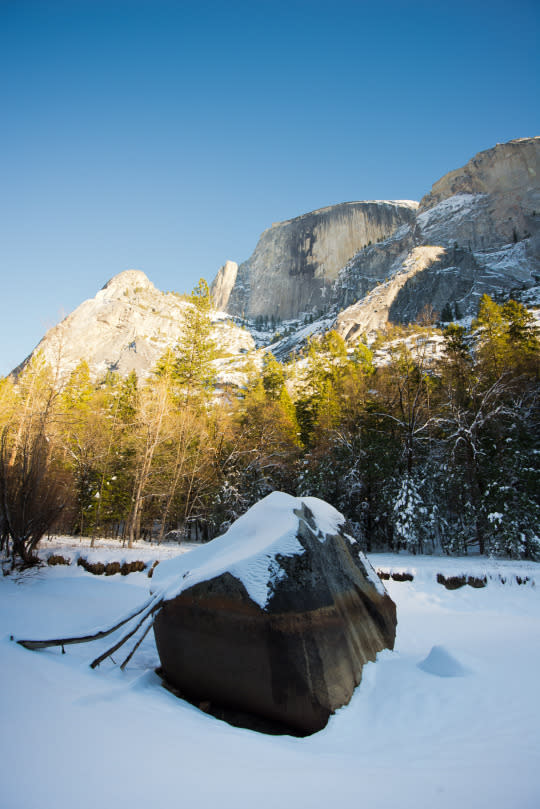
(466, 731)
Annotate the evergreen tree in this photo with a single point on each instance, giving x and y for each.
(196, 349)
(491, 339)
(273, 377)
(409, 515)
(446, 314)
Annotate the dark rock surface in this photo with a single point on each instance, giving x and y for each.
(294, 660)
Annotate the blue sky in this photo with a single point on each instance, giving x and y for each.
(165, 136)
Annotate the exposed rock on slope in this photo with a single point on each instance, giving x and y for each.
(223, 284)
(127, 327)
(296, 262)
(276, 618)
(486, 219)
(373, 310)
(508, 170)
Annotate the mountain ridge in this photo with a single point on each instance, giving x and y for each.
(476, 214)
(354, 266)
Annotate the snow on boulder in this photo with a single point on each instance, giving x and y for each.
(275, 618)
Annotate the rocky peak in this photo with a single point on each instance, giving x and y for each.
(477, 231)
(128, 282)
(508, 168)
(480, 229)
(223, 284)
(127, 327)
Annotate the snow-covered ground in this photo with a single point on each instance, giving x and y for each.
(450, 718)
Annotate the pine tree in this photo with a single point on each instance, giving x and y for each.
(491, 338)
(81, 439)
(196, 350)
(446, 314)
(273, 377)
(409, 515)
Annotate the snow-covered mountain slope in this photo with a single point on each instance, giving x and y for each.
(128, 326)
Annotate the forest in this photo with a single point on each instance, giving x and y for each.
(429, 451)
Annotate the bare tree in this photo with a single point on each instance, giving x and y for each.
(31, 493)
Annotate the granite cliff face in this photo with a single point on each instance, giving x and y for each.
(296, 262)
(223, 284)
(509, 171)
(477, 231)
(372, 312)
(127, 327)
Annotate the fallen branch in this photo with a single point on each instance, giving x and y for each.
(144, 634)
(130, 634)
(44, 644)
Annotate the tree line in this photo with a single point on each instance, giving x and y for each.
(428, 452)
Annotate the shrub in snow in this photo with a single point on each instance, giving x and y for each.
(409, 515)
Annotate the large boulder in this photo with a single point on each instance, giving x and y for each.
(275, 618)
